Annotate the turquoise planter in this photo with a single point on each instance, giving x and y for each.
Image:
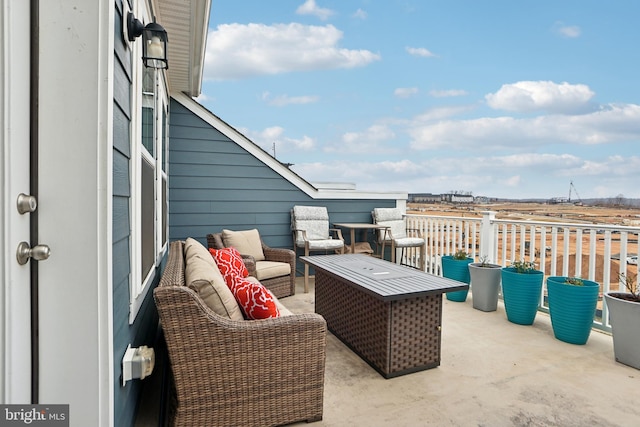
(521, 293)
(572, 309)
(456, 269)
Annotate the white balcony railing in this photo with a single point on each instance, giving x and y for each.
(592, 251)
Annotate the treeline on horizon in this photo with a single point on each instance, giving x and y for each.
(618, 201)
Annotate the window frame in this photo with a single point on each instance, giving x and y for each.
(140, 281)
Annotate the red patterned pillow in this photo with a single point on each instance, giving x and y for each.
(256, 301)
(229, 263)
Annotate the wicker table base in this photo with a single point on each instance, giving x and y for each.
(395, 337)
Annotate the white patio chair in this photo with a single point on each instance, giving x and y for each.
(311, 232)
(397, 235)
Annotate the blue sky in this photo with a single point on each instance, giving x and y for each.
(500, 98)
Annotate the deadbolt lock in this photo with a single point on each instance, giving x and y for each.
(26, 203)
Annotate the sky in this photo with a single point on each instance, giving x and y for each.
(497, 98)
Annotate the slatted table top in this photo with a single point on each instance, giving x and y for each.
(359, 225)
(381, 278)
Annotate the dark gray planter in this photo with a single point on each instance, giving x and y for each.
(485, 285)
(625, 327)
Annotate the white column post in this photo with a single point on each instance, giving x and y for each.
(487, 236)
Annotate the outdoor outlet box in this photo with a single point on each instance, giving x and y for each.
(137, 363)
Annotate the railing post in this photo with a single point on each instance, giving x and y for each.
(487, 233)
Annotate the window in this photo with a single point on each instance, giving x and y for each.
(149, 124)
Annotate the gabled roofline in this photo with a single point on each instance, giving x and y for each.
(275, 165)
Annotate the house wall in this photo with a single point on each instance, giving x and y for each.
(215, 184)
(143, 330)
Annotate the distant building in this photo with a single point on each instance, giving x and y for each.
(457, 198)
(558, 200)
(424, 198)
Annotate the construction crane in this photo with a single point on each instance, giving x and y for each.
(573, 187)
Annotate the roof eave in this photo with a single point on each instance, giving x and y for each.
(187, 25)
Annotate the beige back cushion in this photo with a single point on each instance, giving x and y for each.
(202, 275)
(247, 242)
(193, 248)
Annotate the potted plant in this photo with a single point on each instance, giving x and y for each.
(485, 284)
(624, 314)
(456, 267)
(572, 305)
(521, 290)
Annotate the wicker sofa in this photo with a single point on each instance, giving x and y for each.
(238, 372)
(281, 285)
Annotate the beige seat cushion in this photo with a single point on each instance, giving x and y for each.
(247, 242)
(202, 275)
(271, 269)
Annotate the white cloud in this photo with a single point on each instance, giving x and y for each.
(310, 7)
(374, 139)
(373, 133)
(447, 93)
(569, 31)
(405, 92)
(440, 113)
(372, 174)
(237, 51)
(613, 123)
(528, 96)
(419, 51)
(284, 100)
(267, 137)
(360, 14)
(202, 98)
(513, 181)
(519, 175)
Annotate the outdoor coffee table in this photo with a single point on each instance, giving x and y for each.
(390, 315)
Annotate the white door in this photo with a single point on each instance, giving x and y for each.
(15, 324)
(73, 348)
(75, 98)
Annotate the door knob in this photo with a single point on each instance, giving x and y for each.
(38, 252)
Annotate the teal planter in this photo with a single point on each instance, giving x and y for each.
(572, 309)
(521, 293)
(456, 269)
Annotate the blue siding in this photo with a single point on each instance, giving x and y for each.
(214, 184)
(143, 331)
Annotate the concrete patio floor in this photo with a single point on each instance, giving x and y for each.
(492, 373)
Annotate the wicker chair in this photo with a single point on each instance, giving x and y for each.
(398, 234)
(238, 372)
(311, 232)
(280, 286)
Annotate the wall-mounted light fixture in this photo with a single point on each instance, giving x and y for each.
(154, 38)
